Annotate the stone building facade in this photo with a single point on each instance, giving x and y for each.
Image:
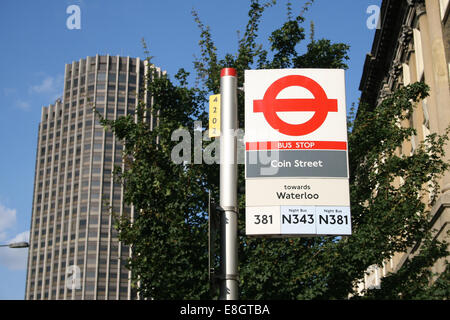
(412, 44)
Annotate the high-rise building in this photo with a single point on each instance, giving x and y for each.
(74, 248)
(412, 44)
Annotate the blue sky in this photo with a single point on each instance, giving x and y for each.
(36, 45)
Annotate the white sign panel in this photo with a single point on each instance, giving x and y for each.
(288, 104)
(306, 221)
(296, 153)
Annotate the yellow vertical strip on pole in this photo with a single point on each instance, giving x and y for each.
(214, 116)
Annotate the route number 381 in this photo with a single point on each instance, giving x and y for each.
(263, 219)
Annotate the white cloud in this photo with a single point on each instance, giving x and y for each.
(15, 259)
(23, 105)
(50, 88)
(7, 220)
(46, 86)
(21, 237)
(49, 85)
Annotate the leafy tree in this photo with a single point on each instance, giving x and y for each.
(391, 193)
(168, 233)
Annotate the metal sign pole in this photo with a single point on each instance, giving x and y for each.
(228, 185)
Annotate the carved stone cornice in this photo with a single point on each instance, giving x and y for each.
(396, 70)
(420, 9)
(419, 6)
(385, 91)
(404, 40)
(392, 43)
(406, 35)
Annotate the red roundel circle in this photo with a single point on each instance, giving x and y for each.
(270, 105)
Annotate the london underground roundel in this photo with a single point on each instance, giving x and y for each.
(320, 105)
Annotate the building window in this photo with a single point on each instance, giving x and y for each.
(112, 77)
(122, 77)
(101, 76)
(91, 77)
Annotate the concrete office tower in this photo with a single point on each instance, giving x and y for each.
(74, 248)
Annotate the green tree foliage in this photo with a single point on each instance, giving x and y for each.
(168, 233)
(391, 193)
